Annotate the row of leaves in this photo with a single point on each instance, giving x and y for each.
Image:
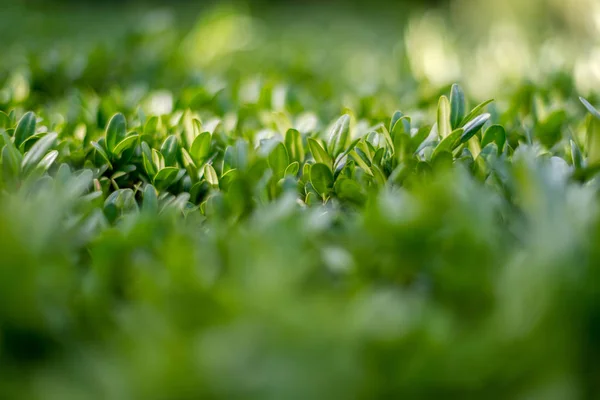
(195, 165)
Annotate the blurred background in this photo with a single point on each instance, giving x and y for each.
(368, 48)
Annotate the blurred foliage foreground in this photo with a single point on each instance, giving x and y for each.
(248, 221)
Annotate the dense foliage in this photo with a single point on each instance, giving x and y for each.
(178, 227)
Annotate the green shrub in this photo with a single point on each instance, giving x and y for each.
(259, 240)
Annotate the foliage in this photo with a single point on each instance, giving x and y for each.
(262, 240)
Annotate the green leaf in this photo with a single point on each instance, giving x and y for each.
(319, 153)
(365, 150)
(362, 160)
(311, 198)
(494, 133)
(457, 106)
(294, 146)
(211, 176)
(189, 164)
(417, 140)
(322, 179)
(475, 112)
(4, 120)
(395, 118)
(169, 151)
(125, 144)
(443, 117)
(165, 177)
(152, 125)
(101, 152)
(25, 128)
(149, 165)
(150, 201)
(378, 156)
(448, 143)
(339, 136)
(11, 160)
(474, 146)
(592, 110)
(292, 169)
(593, 140)
(227, 178)
(119, 202)
(236, 156)
(442, 160)
(386, 135)
(349, 190)
(278, 160)
(30, 141)
(401, 125)
(549, 129)
(158, 159)
(192, 127)
(46, 162)
(350, 147)
(200, 150)
(576, 155)
(473, 126)
(306, 172)
(116, 131)
(37, 152)
(379, 175)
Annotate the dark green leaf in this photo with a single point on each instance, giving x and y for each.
(457, 106)
(475, 112)
(449, 142)
(349, 190)
(169, 150)
(473, 126)
(116, 131)
(322, 179)
(125, 144)
(100, 150)
(5, 122)
(37, 152)
(165, 177)
(494, 133)
(46, 162)
(149, 165)
(576, 155)
(25, 128)
(11, 161)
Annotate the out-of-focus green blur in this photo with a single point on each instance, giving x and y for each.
(489, 46)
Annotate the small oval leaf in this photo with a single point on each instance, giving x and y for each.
(200, 150)
(116, 130)
(211, 175)
(278, 160)
(339, 136)
(25, 128)
(322, 179)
